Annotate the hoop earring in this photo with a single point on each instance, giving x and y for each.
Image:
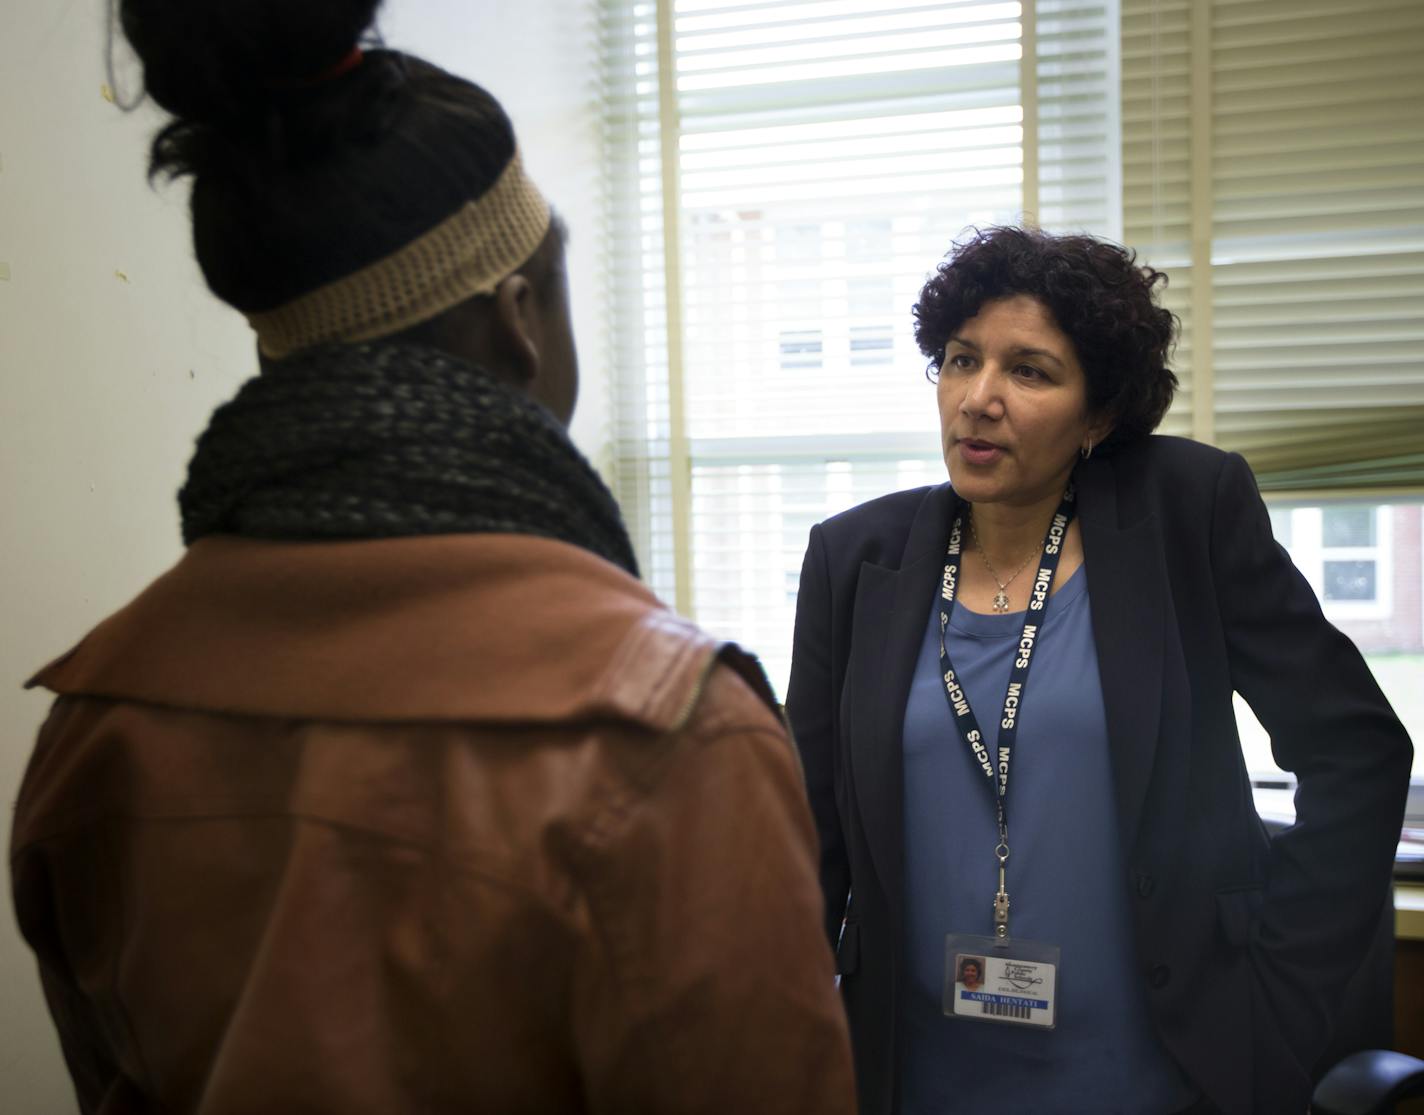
(1087, 452)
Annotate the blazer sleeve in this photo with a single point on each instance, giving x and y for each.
(1332, 727)
(811, 703)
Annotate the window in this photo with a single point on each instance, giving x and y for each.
(871, 344)
(869, 241)
(870, 313)
(1366, 564)
(800, 348)
(1344, 527)
(783, 176)
(1355, 558)
(1346, 552)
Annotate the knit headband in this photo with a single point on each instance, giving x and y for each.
(466, 254)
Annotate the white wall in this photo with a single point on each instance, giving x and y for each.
(112, 352)
(539, 57)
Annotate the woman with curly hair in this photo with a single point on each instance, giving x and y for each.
(1086, 827)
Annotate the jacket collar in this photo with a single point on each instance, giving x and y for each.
(1128, 591)
(441, 627)
(1127, 584)
(888, 622)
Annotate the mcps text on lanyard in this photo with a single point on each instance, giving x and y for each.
(996, 767)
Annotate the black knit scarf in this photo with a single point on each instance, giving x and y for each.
(390, 439)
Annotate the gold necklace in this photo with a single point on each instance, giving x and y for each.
(1001, 598)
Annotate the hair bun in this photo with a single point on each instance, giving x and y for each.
(211, 61)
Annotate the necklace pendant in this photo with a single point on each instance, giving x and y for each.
(1001, 601)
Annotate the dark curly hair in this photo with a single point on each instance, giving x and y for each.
(1099, 296)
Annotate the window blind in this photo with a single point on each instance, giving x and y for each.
(1288, 211)
(807, 162)
(637, 332)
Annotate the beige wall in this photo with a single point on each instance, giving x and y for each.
(112, 352)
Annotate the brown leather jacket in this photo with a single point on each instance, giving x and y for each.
(467, 823)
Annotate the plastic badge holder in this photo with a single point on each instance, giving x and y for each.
(987, 979)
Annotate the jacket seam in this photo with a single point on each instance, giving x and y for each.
(121, 876)
(609, 823)
(442, 855)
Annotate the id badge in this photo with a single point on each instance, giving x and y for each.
(991, 980)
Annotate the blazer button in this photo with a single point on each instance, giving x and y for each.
(1158, 976)
(1146, 886)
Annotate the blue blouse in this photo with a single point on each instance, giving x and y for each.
(1065, 881)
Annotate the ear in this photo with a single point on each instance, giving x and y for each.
(516, 327)
(1099, 427)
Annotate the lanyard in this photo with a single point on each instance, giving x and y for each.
(964, 719)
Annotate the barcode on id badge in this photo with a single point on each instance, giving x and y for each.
(1006, 1010)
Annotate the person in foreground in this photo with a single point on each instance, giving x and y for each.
(1013, 699)
(400, 792)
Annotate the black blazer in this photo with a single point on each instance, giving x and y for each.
(1245, 941)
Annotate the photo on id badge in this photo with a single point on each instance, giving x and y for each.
(1001, 984)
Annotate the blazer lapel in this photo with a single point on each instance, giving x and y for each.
(1127, 585)
(891, 609)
